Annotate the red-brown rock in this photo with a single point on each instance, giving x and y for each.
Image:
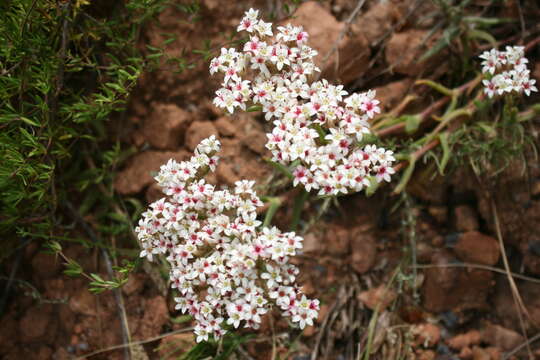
(155, 316)
(501, 337)
(139, 171)
(166, 125)
(405, 48)
(364, 250)
(46, 265)
(225, 126)
(378, 298)
(392, 93)
(351, 57)
(337, 240)
(83, 302)
(36, 324)
(466, 218)
(475, 247)
(426, 335)
(467, 339)
(198, 131)
(376, 22)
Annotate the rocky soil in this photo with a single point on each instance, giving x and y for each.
(458, 306)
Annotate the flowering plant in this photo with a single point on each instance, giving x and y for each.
(227, 270)
(318, 129)
(507, 71)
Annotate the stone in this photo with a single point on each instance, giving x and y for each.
(164, 128)
(465, 218)
(155, 316)
(364, 250)
(392, 93)
(376, 22)
(378, 298)
(83, 302)
(134, 285)
(467, 339)
(480, 354)
(439, 213)
(475, 247)
(173, 346)
(153, 193)
(225, 127)
(46, 265)
(337, 240)
(405, 48)
(140, 169)
(351, 57)
(426, 335)
(501, 337)
(449, 288)
(34, 324)
(198, 131)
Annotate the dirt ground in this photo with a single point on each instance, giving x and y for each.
(428, 278)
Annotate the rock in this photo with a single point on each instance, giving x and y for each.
(43, 353)
(46, 265)
(364, 250)
(475, 247)
(173, 346)
(225, 127)
(197, 131)
(439, 213)
(494, 353)
(439, 280)
(480, 354)
(256, 141)
(311, 244)
(376, 22)
(166, 125)
(377, 298)
(155, 316)
(465, 353)
(465, 218)
(428, 189)
(337, 240)
(153, 193)
(405, 48)
(393, 93)
(323, 313)
(9, 333)
(61, 354)
(426, 355)
(468, 339)
(134, 285)
(450, 288)
(427, 335)
(501, 337)
(226, 174)
(351, 57)
(83, 302)
(139, 170)
(34, 324)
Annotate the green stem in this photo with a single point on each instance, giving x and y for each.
(275, 203)
(299, 201)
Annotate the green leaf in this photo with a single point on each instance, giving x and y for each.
(443, 138)
(412, 122)
(28, 121)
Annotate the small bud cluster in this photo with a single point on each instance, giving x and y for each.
(316, 126)
(226, 269)
(508, 72)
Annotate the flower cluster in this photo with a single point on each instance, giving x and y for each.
(507, 71)
(317, 127)
(227, 271)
